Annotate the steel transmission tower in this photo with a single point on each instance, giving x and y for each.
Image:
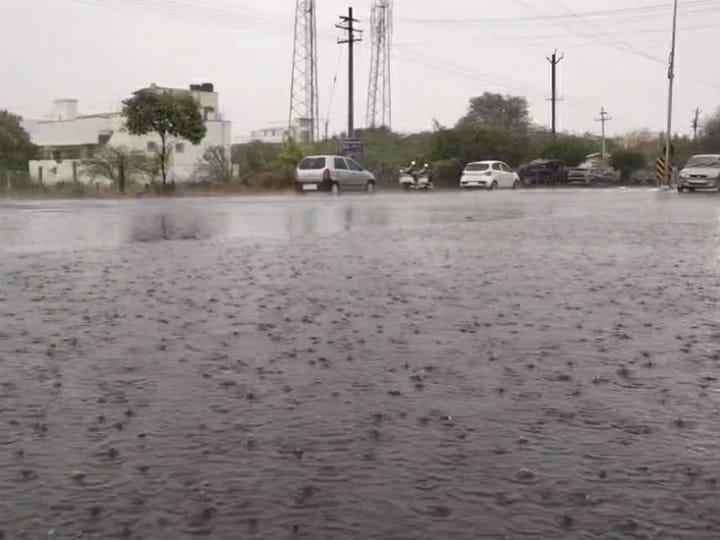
(304, 111)
(379, 101)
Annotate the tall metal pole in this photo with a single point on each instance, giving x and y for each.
(671, 79)
(351, 77)
(554, 61)
(351, 39)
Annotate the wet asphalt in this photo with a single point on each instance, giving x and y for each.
(524, 365)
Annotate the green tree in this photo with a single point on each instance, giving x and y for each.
(169, 114)
(216, 165)
(709, 140)
(497, 111)
(287, 160)
(626, 162)
(118, 164)
(16, 149)
(569, 149)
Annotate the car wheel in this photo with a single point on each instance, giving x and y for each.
(681, 189)
(370, 187)
(335, 188)
(516, 184)
(493, 186)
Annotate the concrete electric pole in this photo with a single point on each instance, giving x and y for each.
(604, 119)
(554, 61)
(347, 25)
(696, 123)
(671, 79)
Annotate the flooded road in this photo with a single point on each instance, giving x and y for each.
(525, 365)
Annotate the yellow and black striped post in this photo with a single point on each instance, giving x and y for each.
(661, 171)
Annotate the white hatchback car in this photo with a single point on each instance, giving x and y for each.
(489, 175)
(333, 174)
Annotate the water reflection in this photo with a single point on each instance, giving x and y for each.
(59, 225)
(171, 226)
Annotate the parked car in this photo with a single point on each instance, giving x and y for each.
(700, 172)
(333, 174)
(489, 175)
(589, 175)
(543, 172)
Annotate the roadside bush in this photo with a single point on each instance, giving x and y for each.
(447, 173)
(627, 162)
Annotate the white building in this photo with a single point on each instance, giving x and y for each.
(278, 134)
(66, 138)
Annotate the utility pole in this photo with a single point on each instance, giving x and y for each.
(696, 123)
(604, 119)
(671, 79)
(347, 25)
(554, 61)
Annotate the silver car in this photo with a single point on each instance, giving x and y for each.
(701, 172)
(333, 174)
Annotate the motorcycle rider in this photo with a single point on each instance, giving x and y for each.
(410, 169)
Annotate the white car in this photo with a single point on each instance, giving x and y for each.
(489, 175)
(333, 174)
(700, 172)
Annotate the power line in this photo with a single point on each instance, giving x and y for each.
(605, 13)
(614, 42)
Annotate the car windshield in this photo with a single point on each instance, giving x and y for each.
(472, 167)
(703, 161)
(312, 163)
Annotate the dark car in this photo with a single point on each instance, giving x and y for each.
(543, 172)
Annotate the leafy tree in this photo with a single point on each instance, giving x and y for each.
(497, 111)
(166, 113)
(627, 162)
(255, 157)
(476, 143)
(571, 150)
(290, 155)
(709, 140)
(16, 149)
(117, 164)
(216, 165)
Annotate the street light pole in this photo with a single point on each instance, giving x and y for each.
(671, 79)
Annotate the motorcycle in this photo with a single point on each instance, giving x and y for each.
(416, 180)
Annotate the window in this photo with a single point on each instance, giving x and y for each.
(505, 168)
(353, 165)
(473, 167)
(312, 164)
(151, 147)
(496, 167)
(340, 164)
(180, 148)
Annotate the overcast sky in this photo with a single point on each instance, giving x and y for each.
(445, 52)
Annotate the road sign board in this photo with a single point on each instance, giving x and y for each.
(352, 148)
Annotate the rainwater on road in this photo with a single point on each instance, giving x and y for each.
(525, 365)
